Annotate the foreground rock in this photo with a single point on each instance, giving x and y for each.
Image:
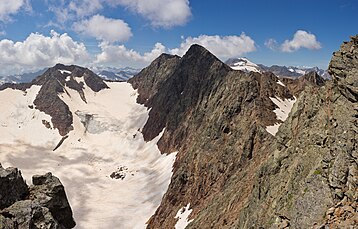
(42, 205)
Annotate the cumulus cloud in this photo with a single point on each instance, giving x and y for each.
(8, 8)
(119, 55)
(161, 13)
(39, 51)
(301, 39)
(222, 46)
(104, 29)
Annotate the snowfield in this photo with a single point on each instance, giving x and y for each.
(106, 142)
(282, 112)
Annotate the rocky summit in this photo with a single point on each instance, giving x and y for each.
(42, 205)
(53, 83)
(231, 171)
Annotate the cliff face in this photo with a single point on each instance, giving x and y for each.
(42, 205)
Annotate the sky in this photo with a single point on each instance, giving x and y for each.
(35, 34)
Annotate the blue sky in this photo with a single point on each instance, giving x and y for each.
(118, 33)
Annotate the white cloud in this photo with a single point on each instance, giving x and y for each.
(8, 8)
(222, 46)
(104, 29)
(119, 55)
(66, 11)
(271, 44)
(301, 39)
(161, 13)
(39, 51)
(84, 8)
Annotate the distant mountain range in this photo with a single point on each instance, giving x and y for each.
(123, 74)
(116, 74)
(107, 73)
(283, 71)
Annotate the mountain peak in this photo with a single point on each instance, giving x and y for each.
(197, 50)
(344, 70)
(57, 80)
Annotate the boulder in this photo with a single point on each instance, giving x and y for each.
(42, 205)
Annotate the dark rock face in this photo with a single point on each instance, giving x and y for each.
(53, 83)
(43, 205)
(231, 170)
(147, 85)
(190, 83)
(12, 186)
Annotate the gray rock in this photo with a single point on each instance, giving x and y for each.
(12, 186)
(45, 205)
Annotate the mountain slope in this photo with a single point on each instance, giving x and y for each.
(111, 175)
(217, 119)
(231, 169)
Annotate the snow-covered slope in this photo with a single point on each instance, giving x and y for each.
(284, 107)
(243, 64)
(106, 144)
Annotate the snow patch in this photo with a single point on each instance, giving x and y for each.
(273, 129)
(108, 139)
(80, 80)
(64, 71)
(245, 65)
(284, 108)
(301, 72)
(280, 83)
(182, 216)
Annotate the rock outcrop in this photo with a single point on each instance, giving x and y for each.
(232, 172)
(42, 205)
(54, 82)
